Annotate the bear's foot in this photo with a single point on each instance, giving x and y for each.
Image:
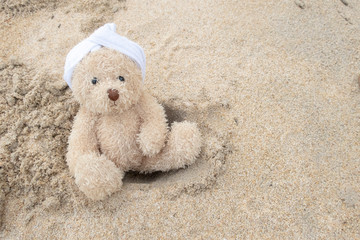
(97, 177)
(182, 148)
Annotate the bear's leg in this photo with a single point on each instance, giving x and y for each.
(182, 148)
(96, 176)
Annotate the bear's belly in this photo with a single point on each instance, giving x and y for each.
(117, 135)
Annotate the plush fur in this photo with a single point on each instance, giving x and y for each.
(111, 137)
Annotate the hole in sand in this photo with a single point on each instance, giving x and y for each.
(136, 177)
(149, 178)
(174, 115)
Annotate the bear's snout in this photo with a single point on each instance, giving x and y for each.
(113, 94)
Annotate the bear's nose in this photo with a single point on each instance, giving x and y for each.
(113, 94)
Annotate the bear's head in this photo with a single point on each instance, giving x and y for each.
(107, 81)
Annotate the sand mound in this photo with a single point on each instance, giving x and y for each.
(21, 7)
(15, 7)
(35, 122)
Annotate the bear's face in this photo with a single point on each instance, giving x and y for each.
(107, 81)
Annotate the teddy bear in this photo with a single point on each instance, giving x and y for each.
(121, 127)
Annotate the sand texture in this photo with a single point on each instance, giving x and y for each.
(273, 85)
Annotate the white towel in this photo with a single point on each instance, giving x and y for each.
(104, 36)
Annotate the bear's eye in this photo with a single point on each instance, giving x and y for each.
(94, 80)
(121, 78)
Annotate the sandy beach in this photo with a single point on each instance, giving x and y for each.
(273, 85)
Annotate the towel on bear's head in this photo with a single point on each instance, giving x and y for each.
(104, 36)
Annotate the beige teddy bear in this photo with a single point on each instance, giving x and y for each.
(121, 127)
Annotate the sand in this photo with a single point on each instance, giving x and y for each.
(273, 85)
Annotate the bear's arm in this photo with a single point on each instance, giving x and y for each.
(154, 129)
(82, 139)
